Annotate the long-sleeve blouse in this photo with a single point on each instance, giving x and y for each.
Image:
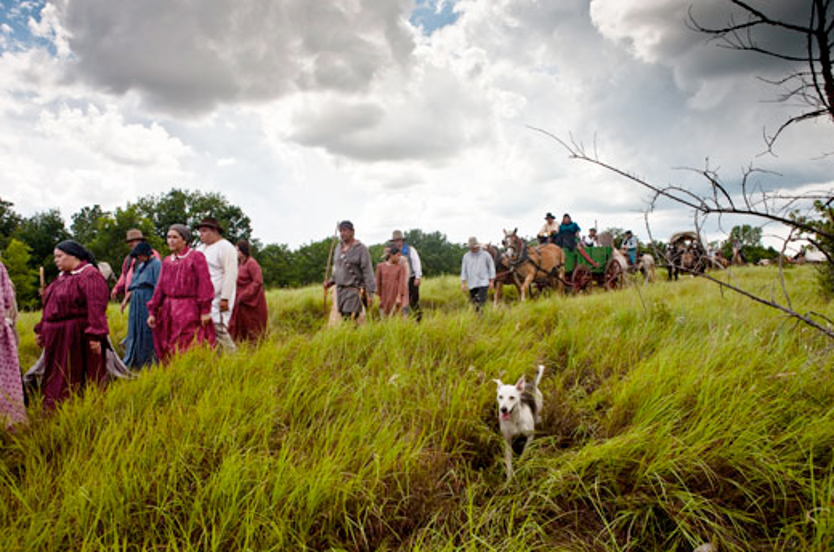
(80, 293)
(184, 276)
(250, 283)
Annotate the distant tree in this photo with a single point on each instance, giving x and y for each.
(655, 248)
(9, 221)
(437, 255)
(109, 244)
(310, 261)
(41, 232)
(277, 265)
(17, 258)
(189, 208)
(84, 226)
(750, 240)
(822, 237)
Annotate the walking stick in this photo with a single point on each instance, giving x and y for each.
(42, 287)
(327, 269)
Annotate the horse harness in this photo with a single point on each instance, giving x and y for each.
(524, 257)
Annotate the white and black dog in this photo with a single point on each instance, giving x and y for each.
(519, 408)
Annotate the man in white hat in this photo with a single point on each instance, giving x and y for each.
(477, 273)
(221, 257)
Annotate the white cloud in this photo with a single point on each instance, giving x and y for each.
(96, 133)
(305, 113)
(189, 57)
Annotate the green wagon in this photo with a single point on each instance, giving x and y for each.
(579, 273)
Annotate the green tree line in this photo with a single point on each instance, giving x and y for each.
(27, 243)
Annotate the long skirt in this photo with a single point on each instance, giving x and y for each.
(69, 362)
(178, 327)
(248, 323)
(12, 409)
(139, 348)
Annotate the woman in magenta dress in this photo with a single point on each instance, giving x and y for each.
(249, 316)
(12, 409)
(180, 309)
(73, 328)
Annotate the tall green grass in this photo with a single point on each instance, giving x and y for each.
(674, 415)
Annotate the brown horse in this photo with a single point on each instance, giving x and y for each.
(503, 274)
(543, 264)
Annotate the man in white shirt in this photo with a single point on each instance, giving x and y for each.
(630, 246)
(477, 273)
(591, 240)
(221, 257)
(548, 232)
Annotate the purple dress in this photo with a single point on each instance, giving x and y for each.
(74, 315)
(12, 409)
(183, 293)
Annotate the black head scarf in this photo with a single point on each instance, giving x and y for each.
(72, 247)
(142, 248)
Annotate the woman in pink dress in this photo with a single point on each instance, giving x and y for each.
(73, 328)
(12, 409)
(249, 316)
(180, 309)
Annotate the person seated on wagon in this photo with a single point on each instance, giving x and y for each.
(568, 238)
(630, 246)
(591, 240)
(550, 229)
(568, 235)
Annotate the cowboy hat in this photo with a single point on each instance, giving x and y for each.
(210, 222)
(134, 234)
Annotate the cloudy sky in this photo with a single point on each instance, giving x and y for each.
(391, 113)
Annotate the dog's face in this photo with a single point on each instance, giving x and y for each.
(509, 397)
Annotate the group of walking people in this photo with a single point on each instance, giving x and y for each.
(212, 294)
(354, 282)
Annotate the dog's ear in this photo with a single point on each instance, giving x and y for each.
(520, 384)
(498, 382)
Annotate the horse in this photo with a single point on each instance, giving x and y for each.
(504, 275)
(646, 266)
(544, 263)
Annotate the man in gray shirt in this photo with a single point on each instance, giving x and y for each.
(477, 273)
(353, 274)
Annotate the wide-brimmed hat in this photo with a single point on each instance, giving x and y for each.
(473, 241)
(397, 235)
(134, 234)
(549, 216)
(210, 222)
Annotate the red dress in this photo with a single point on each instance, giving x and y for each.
(182, 294)
(74, 315)
(249, 316)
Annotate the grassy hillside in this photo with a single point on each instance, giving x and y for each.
(674, 415)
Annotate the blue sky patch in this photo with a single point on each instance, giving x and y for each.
(433, 14)
(14, 24)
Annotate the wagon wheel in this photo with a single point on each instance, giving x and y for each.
(613, 278)
(580, 278)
